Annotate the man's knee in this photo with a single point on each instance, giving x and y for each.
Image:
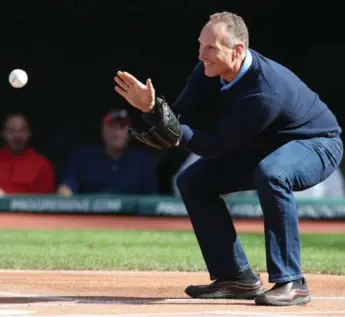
(186, 181)
(267, 175)
(193, 181)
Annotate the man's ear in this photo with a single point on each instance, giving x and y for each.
(239, 50)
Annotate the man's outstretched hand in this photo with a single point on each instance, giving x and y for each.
(135, 92)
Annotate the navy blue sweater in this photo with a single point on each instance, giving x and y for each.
(269, 106)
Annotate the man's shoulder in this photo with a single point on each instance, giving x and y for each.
(199, 68)
(272, 72)
(274, 79)
(198, 74)
(259, 59)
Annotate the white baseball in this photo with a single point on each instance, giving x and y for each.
(18, 78)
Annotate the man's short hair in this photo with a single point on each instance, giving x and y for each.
(235, 25)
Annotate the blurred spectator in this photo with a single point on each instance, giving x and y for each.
(22, 169)
(115, 167)
(332, 187)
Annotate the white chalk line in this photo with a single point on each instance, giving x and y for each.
(36, 296)
(85, 299)
(328, 297)
(92, 272)
(206, 313)
(72, 301)
(16, 312)
(213, 314)
(177, 300)
(139, 300)
(182, 315)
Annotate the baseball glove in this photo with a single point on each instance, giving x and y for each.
(164, 128)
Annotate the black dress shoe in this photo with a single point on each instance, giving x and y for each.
(227, 289)
(287, 294)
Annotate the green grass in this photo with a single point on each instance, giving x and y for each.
(144, 250)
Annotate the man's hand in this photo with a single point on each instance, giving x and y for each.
(163, 126)
(64, 191)
(135, 92)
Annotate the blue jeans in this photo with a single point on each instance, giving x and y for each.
(295, 166)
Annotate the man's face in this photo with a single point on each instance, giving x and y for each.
(16, 133)
(215, 51)
(115, 135)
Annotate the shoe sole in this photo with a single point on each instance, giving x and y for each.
(260, 301)
(229, 295)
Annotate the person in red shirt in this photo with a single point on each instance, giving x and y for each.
(22, 169)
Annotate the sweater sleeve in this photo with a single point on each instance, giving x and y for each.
(246, 120)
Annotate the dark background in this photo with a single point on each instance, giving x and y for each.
(72, 49)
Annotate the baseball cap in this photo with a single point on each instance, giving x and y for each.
(117, 115)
